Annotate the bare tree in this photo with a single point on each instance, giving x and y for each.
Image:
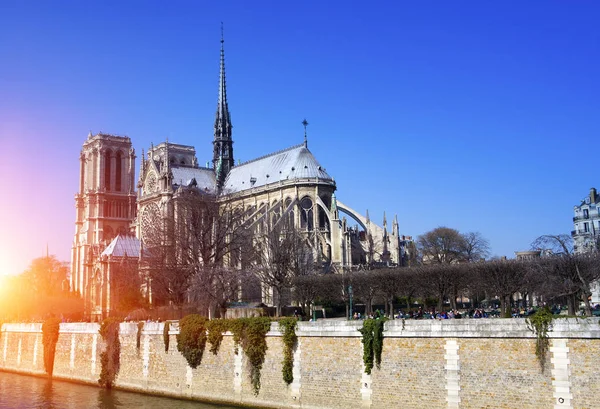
(366, 285)
(502, 278)
(475, 247)
(394, 282)
(307, 288)
(436, 281)
(444, 245)
(569, 275)
(441, 245)
(126, 286)
(195, 253)
(282, 254)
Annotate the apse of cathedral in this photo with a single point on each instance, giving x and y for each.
(112, 218)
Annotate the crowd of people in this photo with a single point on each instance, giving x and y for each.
(432, 313)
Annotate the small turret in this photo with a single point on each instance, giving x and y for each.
(142, 170)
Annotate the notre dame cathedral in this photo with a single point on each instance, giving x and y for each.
(112, 216)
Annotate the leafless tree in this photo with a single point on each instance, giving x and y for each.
(196, 253)
(441, 245)
(282, 254)
(444, 245)
(475, 247)
(126, 286)
(366, 285)
(436, 281)
(394, 282)
(502, 278)
(569, 275)
(307, 288)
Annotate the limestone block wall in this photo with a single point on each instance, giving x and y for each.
(431, 364)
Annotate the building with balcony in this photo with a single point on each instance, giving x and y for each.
(586, 232)
(586, 223)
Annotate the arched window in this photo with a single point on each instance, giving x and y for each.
(291, 213)
(108, 233)
(118, 172)
(275, 212)
(107, 170)
(306, 214)
(98, 290)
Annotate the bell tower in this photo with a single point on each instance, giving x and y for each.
(105, 204)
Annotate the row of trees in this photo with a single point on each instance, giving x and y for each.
(553, 280)
(207, 250)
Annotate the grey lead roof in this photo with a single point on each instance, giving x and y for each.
(121, 246)
(296, 162)
(205, 177)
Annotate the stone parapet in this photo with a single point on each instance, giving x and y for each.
(466, 363)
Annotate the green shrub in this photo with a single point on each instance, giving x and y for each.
(289, 338)
(191, 339)
(50, 330)
(110, 358)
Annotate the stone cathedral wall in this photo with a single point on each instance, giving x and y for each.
(425, 364)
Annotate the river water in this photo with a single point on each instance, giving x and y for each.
(25, 392)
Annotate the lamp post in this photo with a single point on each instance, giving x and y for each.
(350, 297)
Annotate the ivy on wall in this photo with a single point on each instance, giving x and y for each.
(540, 324)
(289, 339)
(191, 339)
(50, 330)
(166, 335)
(251, 335)
(138, 339)
(372, 340)
(248, 333)
(110, 358)
(216, 329)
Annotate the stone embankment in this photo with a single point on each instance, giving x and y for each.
(425, 364)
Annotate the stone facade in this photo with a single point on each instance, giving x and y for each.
(432, 364)
(105, 207)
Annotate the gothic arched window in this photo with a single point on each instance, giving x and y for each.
(107, 170)
(291, 213)
(118, 172)
(108, 233)
(306, 214)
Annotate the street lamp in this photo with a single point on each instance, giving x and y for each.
(350, 297)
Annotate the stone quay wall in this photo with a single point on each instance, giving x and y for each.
(468, 363)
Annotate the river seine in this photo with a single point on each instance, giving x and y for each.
(20, 392)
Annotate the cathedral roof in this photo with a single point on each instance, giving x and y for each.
(204, 177)
(123, 246)
(290, 164)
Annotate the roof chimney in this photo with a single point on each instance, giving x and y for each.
(593, 195)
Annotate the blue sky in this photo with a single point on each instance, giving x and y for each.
(481, 116)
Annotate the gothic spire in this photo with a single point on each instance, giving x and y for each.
(222, 144)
